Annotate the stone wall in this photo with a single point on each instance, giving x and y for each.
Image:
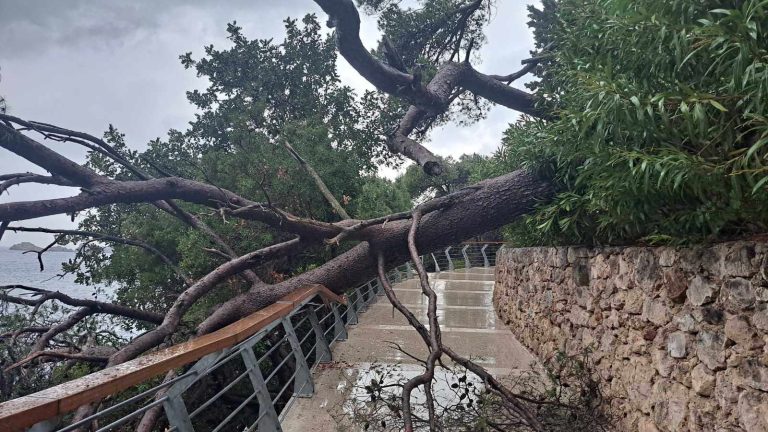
(678, 336)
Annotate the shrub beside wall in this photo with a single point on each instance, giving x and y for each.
(679, 336)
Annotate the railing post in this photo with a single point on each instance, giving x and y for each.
(437, 266)
(177, 414)
(448, 257)
(339, 331)
(379, 288)
(467, 263)
(485, 257)
(373, 291)
(398, 277)
(269, 421)
(322, 349)
(408, 270)
(360, 303)
(302, 382)
(351, 311)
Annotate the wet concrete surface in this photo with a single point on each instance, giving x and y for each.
(468, 323)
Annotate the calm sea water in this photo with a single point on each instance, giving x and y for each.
(24, 269)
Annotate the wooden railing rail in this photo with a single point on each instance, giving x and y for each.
(23, 412)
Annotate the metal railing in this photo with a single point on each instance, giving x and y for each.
(243, 385)
(465, 255)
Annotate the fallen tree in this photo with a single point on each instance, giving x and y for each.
(382, 242)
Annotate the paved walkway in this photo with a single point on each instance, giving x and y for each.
(468, 324)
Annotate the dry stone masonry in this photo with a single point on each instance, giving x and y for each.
(678, 336)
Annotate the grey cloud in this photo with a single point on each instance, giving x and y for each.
(29, 27)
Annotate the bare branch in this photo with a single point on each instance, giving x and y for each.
(35, 178)
(525, 70)
(3, 226)
(61, 355)
(4, 177)
(44, 250)
(96, 144)
(318, 181)
(98, 307)
(108, 238)
(13, 335)
(89, 141)
(65, 324)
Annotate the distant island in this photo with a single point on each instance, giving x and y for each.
(27, 246)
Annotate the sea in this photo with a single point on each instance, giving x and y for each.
(17, 268)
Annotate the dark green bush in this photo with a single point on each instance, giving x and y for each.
(661, 123)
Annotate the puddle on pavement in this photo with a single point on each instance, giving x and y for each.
(448, 387)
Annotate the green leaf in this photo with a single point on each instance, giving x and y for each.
(759, 185)
(717, 105)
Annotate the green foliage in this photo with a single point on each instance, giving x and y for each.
(92, 331)
(426, 34)
(434, 31)
(661, 126)
(379, 197)
(456, 175)
(260, 92)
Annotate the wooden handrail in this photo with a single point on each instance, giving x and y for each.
(23, 412)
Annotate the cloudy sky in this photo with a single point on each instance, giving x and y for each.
(83, 64)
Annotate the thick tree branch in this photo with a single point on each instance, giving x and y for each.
(65, 324)
(45, 158)
(35, 178)
(87, 140)
(344, 17)
(100, 146)
(432, 99)
(499, 92)
(186, 299)
(400, 142)
(101, 191)
(487, 205)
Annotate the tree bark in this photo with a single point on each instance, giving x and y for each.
(491, 204)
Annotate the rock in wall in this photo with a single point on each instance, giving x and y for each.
(678, 336)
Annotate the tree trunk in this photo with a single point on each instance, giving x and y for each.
(486, 206)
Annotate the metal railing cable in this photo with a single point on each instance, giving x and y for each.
(276, 350)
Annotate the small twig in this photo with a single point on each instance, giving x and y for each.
(43, 250)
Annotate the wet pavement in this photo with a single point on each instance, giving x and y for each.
(468, 323)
